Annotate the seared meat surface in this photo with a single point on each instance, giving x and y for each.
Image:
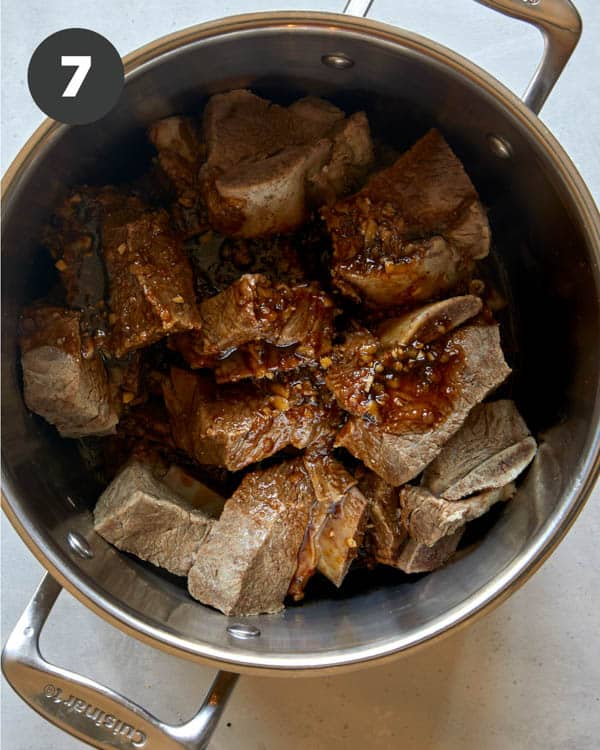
(267, 165)
(140, 514)
(181, 154)
(429, 519)
(237, 425)
(412, 232)
(151, 284)
(252, 310)
(336, 526)
(64, 378)
(247, 561)
(262, 340)
(398, 447)
(490, 450)
(387, 535)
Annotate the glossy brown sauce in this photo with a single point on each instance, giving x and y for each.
(401, 389)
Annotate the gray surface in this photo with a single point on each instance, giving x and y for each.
(527, 675)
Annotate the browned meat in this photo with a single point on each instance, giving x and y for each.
(351, 157)
(219, 262)
(265, 197)
(336, 526)
(425, 324)
(297, 323)
(197, 494)
(419, 558)
(405, 389)
(151, 284)
(63, 376)
(147, 424)
(267, 164)
(142, 515)
(398, 456)
(261, 360)
(387, 540)
(180, 151)
(412, 232)
(342, 535)
(86, 220)
(237, 425)
(240, 127)
(247, 561)
(490, 450)
(386, 535)
(428, 518)
(125, 378)
(180, 155)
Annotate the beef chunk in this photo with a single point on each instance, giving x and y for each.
(151, 284)
(240, 127)
(351, 157)
(267, 164)
(425, 324)
(237, 425)
(197, 494)
(428, 518)
(142, 515)
(477, 369)
(386, 535)
(342, 535)
(180, 151)
(126, 379)
(219, 262)
(180, 156)
(490, 450)
(387, 540)
(254, 309)
(85, 221)
(261, 360)
(419, 558)
(247, 561)
(412, 232)
(336, 527)
(64, 377)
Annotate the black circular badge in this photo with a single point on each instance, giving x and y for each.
(75, 76)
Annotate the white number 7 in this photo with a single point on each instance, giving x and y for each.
(83, 63)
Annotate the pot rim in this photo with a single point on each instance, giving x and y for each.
(505, 582)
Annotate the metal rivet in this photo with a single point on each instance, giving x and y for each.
(337, 60)
(28, 631)
(499, 146)
(243, 631)
(79, 545)
(532, 2)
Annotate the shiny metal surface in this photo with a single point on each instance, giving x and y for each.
(79, 545)
(337, 60)
(500, 147)
(358, 7)
(88, 710)
(560, 26)
(243, 631)
(555, 248)
(558, 22)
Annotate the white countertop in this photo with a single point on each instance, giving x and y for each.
(525, 676)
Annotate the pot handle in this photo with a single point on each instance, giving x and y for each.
(90, 711)
(557, 20)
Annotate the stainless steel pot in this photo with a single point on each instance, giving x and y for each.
(547, 243)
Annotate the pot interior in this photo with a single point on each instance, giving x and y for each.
(543, 261)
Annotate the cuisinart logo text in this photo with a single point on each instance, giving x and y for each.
(73, 704)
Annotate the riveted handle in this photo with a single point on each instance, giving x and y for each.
(85, 708)
(557, 20)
